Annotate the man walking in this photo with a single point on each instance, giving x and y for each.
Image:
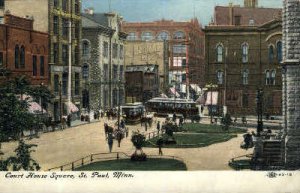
(110, 142)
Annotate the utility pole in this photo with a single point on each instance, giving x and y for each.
(70, 58)
(225, 82)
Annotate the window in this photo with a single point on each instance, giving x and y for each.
(65, 54)
(183, 62)
(105, 72)
(131, 36)
(268, 77)
(55, 53)
(220, 77)
(56, 83)
(17, 59)
(245, 77)
(273, 76)
(219, 53)
(77, 10)
(245, 51)
(55, 3)
(237, 20)
(22, 57)
(77, 57)
(42, 66)
(121, 73)
(179, 49)
(77, 83)
(163, 36)
(1, 59)
(1, 3)
(65, 27)
(147, 36)
(251, 22)
(34, 65)
(115, 50)
(271, 54)
(77, 30)
(279, 51)
(85, 71)
(55, 25)
(64, 5)
(65, 83)
(121, 52)
(245, 100)
(179, 35)
(115, 97)
(115, 71)
(183, 77)
(85, 49)
(105, 49)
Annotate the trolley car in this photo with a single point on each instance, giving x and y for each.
(132, 112)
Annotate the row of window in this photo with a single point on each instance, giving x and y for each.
(160, 36)
(245, 52)
(64, 85)
(269, 78)
(35, 65)
(65, 5)
(65, 27)
(64, 54)
(116, 75)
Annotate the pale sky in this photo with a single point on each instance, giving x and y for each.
(180, 10)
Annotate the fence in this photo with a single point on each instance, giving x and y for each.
(103, 157)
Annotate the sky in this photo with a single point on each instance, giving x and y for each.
(179, 10)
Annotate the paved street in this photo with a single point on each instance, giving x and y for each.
(61, 147)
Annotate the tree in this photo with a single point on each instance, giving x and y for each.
(138, 141)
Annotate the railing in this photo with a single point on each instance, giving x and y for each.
(102, 157)
(153, 134)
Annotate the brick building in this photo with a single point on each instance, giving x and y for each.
(142, 82)
(53, 17)
(186, 46)
(243, 53)
(24, 51)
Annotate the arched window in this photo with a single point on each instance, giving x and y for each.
(268, 77)
(271, 54)
(85, 49)
(220, 76)
(85, 71)
(163, 36)
(17, 56)
(131, 36)
(245, 77)
(245, 52)
(220, 52)
(273, 76)
(179, 35)
(147, 36)
(279, 51)
(22, 57)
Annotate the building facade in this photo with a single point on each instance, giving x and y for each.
(243, 53)
(186, 46)
(150, 52)
(24, 51)
(142, 82)
(57, 17)
(103, 60)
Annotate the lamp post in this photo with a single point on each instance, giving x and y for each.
(41, 86)
(60, 102)
(119, 108)
(210, 86)
(259, 102)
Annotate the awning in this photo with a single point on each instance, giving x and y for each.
(211, 98)
(173, 91)
(201, 100)
(163, 95)
(196, 88)
(35, 108)
(71, 107)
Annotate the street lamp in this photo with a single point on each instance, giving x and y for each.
(210, 86)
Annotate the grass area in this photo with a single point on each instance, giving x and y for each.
(206, 128)
(152, 164)
(187, 140)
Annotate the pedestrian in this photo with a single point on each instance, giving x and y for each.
(180, 121)
(126, 132)
(122, 124)
(158, 126)
(110, 142)
(105, 129)
(174, 118)
(159, 144)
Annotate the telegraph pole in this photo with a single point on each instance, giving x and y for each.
(70, 58)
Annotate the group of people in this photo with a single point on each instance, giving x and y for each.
(117, 133)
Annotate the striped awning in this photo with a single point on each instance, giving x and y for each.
(211, 98)
(35, 108)
(71, 107)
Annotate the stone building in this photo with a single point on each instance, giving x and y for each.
(103, 60)
(142, 82)
(53, 17)
(23, 51)
(243, 53)
(186, 46)
(291, 82)
(150, 52)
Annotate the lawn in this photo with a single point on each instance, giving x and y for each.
(187, 140)
(152, 164)
(206, 128)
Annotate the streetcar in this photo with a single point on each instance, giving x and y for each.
(164, 106)
(132, 112)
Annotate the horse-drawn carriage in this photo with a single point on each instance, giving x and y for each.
(132, 112)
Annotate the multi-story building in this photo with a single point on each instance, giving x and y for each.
(23, 51)
(186, 46)
(243, 53)
(54, 17)
(142, 82)
(150, 52)
(103, 60)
